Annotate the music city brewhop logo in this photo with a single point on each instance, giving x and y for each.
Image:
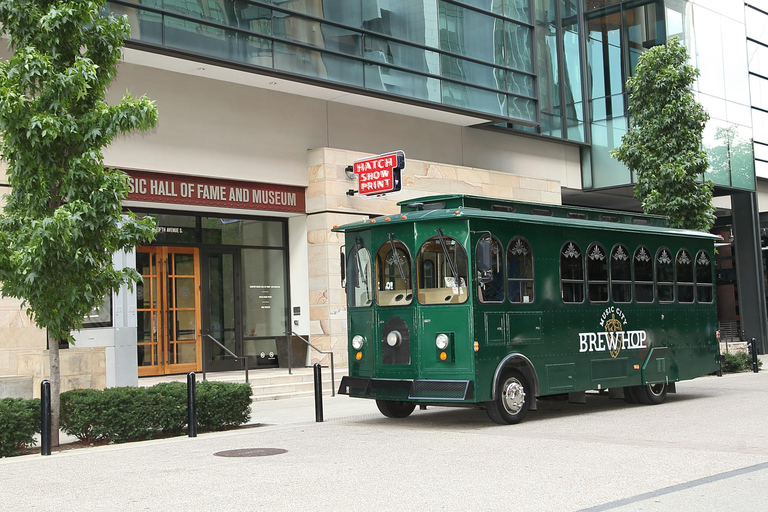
(613, 338)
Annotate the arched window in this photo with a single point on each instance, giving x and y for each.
(643, 266)
(493, 290)
(704, 277)
(597, 273)
(665, 276)
(519, 271)
(571, 273)
(621, 274)
(393, 274)
(684, 273)
(448, 259)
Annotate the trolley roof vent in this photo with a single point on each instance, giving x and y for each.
(577, 215)
(610, 218)
(503, 208)
(544, 212)
(641, 222)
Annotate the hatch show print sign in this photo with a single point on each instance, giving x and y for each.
(613, 338)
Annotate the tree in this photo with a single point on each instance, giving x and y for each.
(663, 144)
(63, 219)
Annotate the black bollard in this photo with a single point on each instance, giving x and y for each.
(318, 394)
(45, 418)
(191, 405)
(754, 356)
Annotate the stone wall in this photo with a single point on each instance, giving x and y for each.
(328, 205)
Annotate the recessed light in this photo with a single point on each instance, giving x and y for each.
(272, 83)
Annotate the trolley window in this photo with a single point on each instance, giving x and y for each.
(571, 273)
(448, 259)
(597, 273)
(393, 274)
(359, 277)
(520, 271)
(684, 272)
(493, 290)
(665, 276)
(703, 277)
(643, 275)
(621, 274)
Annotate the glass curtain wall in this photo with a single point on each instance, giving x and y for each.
(473, 55)
(756, 14)
(617, 33)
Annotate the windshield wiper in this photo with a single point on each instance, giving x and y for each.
(396, 257)
(447, 256)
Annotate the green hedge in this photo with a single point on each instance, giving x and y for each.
(19, 422)
(739, 362)
(128, 414)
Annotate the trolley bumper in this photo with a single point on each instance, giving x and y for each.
(407, 389)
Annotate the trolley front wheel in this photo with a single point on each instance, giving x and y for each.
(651, 394)
(393, 409)
(513, 398)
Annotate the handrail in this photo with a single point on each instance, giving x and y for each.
(230, 353)
(333, 379)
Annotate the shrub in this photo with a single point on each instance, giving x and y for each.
(128, 414)
(739, 362)
(222, 404)
(19, 421)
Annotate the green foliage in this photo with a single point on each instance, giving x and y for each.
(19, 421)
(740, 362)
(222, 404)
(129, 414)
(63, 218)
(663, 145)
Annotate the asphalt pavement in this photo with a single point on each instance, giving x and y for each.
(705, 448)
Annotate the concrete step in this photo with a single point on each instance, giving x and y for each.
(278, 390)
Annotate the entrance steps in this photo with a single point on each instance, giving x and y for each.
(268, 383)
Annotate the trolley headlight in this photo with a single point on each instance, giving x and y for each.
(442, 341)
(394, 338)
(357, 342)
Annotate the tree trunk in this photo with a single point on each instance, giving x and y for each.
(55, 379)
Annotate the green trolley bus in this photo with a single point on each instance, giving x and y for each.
(462, 300)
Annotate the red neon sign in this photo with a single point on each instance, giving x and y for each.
(380, 174)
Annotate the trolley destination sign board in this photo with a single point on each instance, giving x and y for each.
(380, 174)
(200, 191)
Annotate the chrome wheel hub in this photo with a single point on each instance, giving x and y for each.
(513, 396)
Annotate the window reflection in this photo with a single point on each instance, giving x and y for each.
(393, 274)
(444, 267)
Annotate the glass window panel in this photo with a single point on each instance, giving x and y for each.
(546, 11)
(472, 72)
(704, 290)
(665, 276)
(467, 32)
(684, 270)
(319, 35)
(319, 65)
(401, 55)
(597, 4)
(393, 274)
(252, 17)
(548, 76)
(493, 290)
(518, 83)
(742, 158)
(710, 47)
(222, 231)
(643, 267)
(264, 301)
(446, 286)
(520, 271)
(597, 273)
(518, 10)
(416, 22)
(757, 58)
(145, 26)
(571, 273)
(394, 81)
(735, 63)
(574, 106)
(644, 30)
(359, 278)
(471, 98)
(183, 265)
(761, 151)
(761, 169)
(184, 291)
(756, 24)
(185, 326)
(221, 279)
(522, 108)
(494, 6)
(621, 274)
(186, 353)
(569, 9)
(604, 55)
(758, 90)
(760, 125)
(518, 41)
(199, 37)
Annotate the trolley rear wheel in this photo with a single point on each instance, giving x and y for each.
(513, 398)
(651, 394)
(393, 409)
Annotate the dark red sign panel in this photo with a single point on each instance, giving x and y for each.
(194, 190)
(380, 174)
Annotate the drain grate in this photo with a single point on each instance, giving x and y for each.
(251, 452)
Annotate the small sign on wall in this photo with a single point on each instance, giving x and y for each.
(381, 174)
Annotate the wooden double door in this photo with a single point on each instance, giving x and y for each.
(168, 310)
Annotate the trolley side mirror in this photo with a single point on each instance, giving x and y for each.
(342, 259)
(484, 263)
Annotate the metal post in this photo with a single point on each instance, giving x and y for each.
(45, 417)
(191, 405)
(754, 355)
(318, 394)
(288, 339)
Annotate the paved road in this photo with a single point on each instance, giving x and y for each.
(705, 448)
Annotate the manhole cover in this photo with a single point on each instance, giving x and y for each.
(251, 452)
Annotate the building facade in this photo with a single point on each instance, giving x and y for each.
(264, 104)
